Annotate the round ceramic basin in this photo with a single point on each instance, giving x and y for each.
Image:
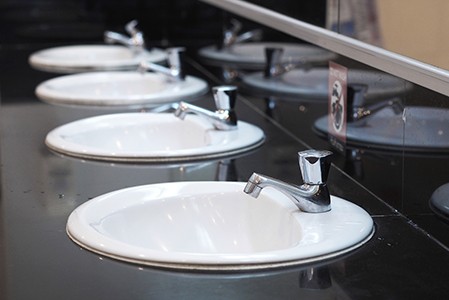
(118, 88)
(83, 58)
(214, 225)
(151, 137)
(252, 55)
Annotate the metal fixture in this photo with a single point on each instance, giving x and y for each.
(135, 41)
(174, 71)
(231, 34)
(275, 67)
(313, 195)
(224, 118)
(359, 110)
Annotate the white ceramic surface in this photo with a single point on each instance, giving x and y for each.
(252, 55)
(83, 58)
(152, 137)
(314, 83)
(118, 88)
(214, 225)
(418, 128)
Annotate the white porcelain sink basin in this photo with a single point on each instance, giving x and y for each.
(118, 88)
(151, 137)
(422, 129)
(214, 225)
(314, 83)
(83, 58)
(252, 55)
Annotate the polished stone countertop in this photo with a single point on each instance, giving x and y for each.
(39, 189)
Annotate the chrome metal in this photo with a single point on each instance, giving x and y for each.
(359, 110)
(275, 67)
(231, 34)
(224, 117)
(314, 166)
(313, 195)
(135, 41)
(174, 71)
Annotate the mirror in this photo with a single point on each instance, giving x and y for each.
(412, 28)
(394, 175)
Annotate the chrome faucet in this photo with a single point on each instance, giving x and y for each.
(174, 71)
(231, 34)
(135, 42)
(313, 195)
(275, 67)
(358, 110)
(224, 118)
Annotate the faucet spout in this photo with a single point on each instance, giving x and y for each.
(135, 41)
(308, 198)
(174, 71)
(224, 118)
(313, 195)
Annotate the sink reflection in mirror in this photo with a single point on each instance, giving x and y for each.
(245, 51)
(414, 129)
(87, 58)
(313, 84)
(250, 56)
(124, 88)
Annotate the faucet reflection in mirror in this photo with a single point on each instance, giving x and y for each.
(359, 110)
(313, 195)
(231, 34)
(135, 41)
(224, 117)
(275, 67)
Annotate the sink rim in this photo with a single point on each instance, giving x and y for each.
(54, 91)
(42, 60)
(189, 261)
(312, 84)
(251, 137)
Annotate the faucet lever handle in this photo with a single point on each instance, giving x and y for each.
(356, 94)
(314, 166)
(174, 56)
(225, 97)
(131, 27)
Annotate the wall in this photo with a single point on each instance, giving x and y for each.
(416, 28)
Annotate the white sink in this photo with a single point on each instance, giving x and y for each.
(214, 225)
(252, 55)
(83, 58)
(314, 83)
(417, 128)
(118, 88)
(151, 137)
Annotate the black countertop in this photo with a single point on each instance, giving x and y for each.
(39, 189)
